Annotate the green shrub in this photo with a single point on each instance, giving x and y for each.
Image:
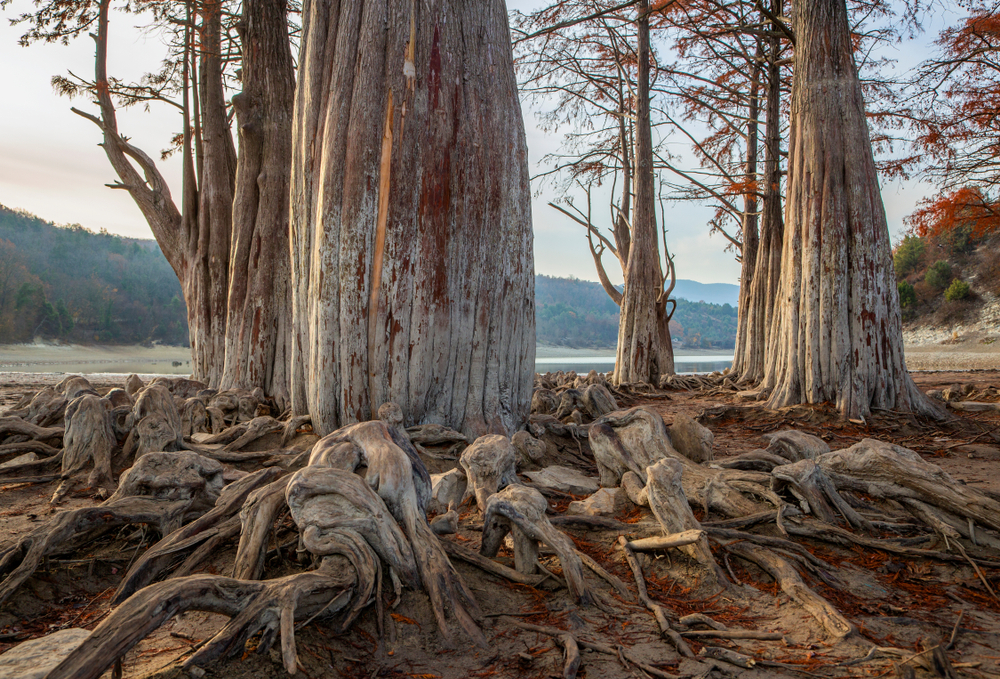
(907, 295)
(958, 289)
(907, 255)
(939, 275)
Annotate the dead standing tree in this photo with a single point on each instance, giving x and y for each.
(411, 227)
(598, 65)
(838, 335)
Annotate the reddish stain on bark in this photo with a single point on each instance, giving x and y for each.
(434, 76)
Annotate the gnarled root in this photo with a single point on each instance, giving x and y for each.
(399, 477)
(196, 539)
(257, 518)
(791, 584)
(70, 530)
(162, 490)
(632, 440)
(269, 607)
(490, 465)
(671, 509)
(89, 439)
(816, 492)
(520, 510)
(890, 471)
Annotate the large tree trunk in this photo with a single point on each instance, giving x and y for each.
(751, 220)
(207, 286)
(410, 217)
(759, 289)
(259, 310)
(838, 335)
(644, 348)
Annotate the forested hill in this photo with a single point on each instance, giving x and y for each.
(72, 284)
(76, 285)
(576, 313)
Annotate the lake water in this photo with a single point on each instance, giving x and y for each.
(684, 365)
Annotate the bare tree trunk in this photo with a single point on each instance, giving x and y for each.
(837, 335)
(762, 289)
(748, 259)
(259, 310)
(644, 348)
(207, 283)
(410, 217)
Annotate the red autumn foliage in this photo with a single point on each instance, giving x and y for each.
(965, 207)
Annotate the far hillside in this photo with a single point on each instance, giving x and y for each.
(72, 284)
(575, 313)
(947, 269)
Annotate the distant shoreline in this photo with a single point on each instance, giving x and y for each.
(550, 351)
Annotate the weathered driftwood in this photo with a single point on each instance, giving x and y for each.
(399, 477)
(89, 442)
(688, 537)
(190, 537)
(671, 509)
(490, 464)
(520, 511)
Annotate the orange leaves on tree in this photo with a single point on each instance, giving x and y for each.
(966, 207)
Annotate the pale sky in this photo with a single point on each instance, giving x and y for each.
(50, 163)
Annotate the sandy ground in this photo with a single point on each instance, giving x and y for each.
(73, 358)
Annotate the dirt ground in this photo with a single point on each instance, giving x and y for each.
(895, 602)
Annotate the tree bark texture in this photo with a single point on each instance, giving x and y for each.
(207, 284)
(751, 221)
(194, 240)
(259, 306)
(757, 309)
(644, 348)
(837, 335)
(410, 217)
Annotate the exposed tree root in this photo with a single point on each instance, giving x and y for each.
(520, 510)
(270, 607)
